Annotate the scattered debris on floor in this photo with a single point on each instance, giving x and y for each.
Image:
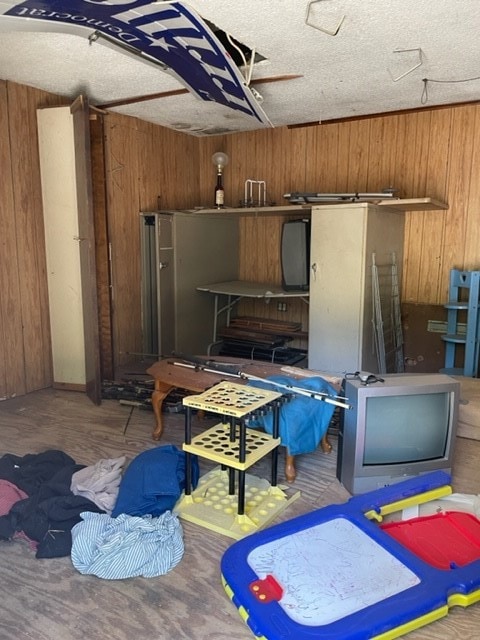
(138, 393)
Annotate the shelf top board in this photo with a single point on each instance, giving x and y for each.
(399, 204)
(415, 204)
(396, 204)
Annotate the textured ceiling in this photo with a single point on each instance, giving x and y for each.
(353, 58)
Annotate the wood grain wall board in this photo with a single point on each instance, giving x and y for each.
(323, 161)
(80, 111)
(12, 375)
(343, 159)
(430, 279)
(22, 103)
(238, 170)
(124, 230)
(175, 157)
(421, 152)
(472, 227)
(297, 160)
(461, 154)
(438, 153)
(149, 174)
(381, 153)
(414, 230)
(101, 245)
(358, 156)
(275, 147)
(405, 167)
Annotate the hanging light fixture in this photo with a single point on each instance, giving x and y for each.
(220, 160)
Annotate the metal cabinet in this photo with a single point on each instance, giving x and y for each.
(345, 239)
(180, 251)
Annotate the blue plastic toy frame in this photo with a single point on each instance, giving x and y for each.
(429, 600)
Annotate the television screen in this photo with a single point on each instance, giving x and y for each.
(396, 429)
(405, 428)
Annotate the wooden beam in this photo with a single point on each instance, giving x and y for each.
(178, 92)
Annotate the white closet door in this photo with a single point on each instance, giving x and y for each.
(57, 165)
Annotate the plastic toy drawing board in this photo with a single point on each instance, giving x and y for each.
(337, 575)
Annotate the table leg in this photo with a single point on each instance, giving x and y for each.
(325, 444)
(290, 471)
(161, 391)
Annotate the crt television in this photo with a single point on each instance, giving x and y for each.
(396, 429)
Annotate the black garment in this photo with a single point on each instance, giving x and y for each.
(48, 515)
(31, 471)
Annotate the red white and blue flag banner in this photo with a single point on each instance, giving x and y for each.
(168, 33)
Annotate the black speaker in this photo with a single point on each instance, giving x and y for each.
(295, 254)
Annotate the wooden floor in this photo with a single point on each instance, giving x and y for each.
(50, 600)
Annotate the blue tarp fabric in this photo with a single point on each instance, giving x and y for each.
(153, 482)
(303, 420)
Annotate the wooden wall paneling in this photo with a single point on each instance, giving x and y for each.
(12, 373)
(343, 158)
(168, 168)
(381, 153)
(260, 166)
(324, 159)
(122, 174)
(359, 134)
(414, 234)
(310, 168)
(242, 167)
(404, 182)
(22, 102)
(274, 141)
(472, 227)
(86, 228)
(405, 167)
(179, 160)
(153, 192)
(461, 154)
(297, 158)
(431, 267)
(438, 154)
(149, 170)
(101, 245)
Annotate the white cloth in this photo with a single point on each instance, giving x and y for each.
(126, 546)
(99, 482)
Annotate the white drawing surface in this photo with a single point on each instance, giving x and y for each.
(330, 571)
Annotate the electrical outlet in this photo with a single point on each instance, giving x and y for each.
(281, 306)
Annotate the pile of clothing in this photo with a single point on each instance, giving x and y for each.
(112, 524)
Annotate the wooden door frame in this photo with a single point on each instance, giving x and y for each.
(86, 233)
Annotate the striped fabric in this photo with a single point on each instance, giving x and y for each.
(126, 546)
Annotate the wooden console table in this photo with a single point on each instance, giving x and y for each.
(168, 376)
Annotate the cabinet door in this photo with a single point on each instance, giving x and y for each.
(166, 285)
(341, 320)
(337, 282)
(158, 299)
